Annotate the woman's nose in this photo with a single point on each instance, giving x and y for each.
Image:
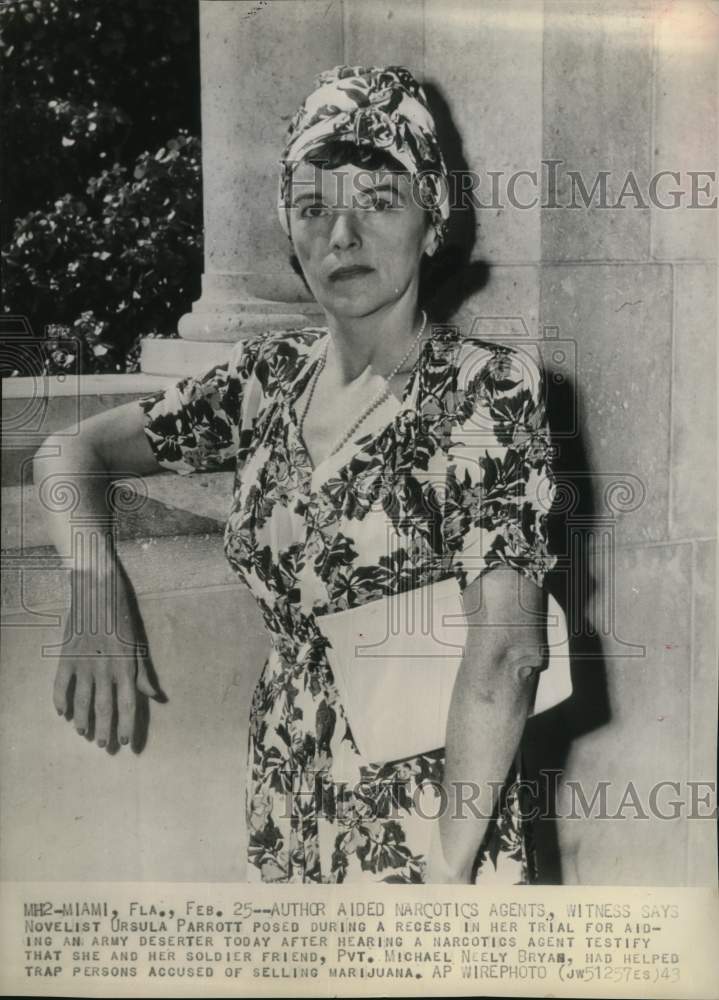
(345, 232)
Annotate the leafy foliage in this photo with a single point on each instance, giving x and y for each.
(119, 260)
(105, 228)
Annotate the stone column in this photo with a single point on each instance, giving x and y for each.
(258, 61)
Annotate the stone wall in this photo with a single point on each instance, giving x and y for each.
(622, 303)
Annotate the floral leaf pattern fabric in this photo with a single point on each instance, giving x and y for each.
(458, 482)
(196, 422)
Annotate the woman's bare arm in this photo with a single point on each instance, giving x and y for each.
(106, 446)
(489, 708)
(102, 648)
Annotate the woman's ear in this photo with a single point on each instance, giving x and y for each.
(431, 249)
(431, 243)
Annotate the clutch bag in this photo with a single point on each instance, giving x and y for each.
(395, 661)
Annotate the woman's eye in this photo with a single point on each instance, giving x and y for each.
(313, 211)
(375, 204)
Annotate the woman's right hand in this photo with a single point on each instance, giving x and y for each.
(105, 654)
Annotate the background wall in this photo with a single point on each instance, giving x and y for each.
(622, 304)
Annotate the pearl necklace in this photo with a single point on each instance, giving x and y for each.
(378, 399)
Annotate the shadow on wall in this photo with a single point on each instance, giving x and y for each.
(451, 277)
(548, 737)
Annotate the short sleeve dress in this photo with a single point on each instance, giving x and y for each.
(457, 482)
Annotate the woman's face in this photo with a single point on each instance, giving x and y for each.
(359, 236)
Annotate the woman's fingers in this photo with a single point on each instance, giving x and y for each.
(63, 676)
(81, 705)
(126, 705)
(106, 687)
(103, 709)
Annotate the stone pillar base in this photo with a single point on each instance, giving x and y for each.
(209, 331)
(229, 322)
(177, 357)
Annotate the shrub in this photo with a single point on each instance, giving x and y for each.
(121, 262)
(102, 237)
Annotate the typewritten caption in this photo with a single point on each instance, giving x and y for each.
(83, 939)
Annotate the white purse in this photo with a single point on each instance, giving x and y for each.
(395, 661)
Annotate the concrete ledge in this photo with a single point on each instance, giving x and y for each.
(35, 584)
(168, 504)
(56, 386)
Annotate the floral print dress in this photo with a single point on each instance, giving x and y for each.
(457, 482)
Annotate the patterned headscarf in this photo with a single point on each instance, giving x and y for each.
(376, 107)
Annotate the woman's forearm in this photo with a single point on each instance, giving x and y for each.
(74, 485)
(103, 661)
(487, 715)
(72, 490)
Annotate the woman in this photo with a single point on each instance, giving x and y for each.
(374, 455)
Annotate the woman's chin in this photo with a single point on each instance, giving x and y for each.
(354, 306)
(348, 306)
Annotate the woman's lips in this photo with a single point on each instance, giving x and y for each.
(343, 273)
